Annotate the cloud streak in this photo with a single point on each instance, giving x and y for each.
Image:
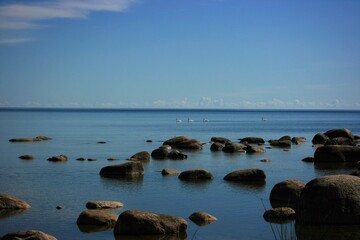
(25, 16)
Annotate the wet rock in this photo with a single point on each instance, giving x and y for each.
(266, 160)
(168, 171)
(28, 235)
(183, 142)
(196, 174)
(202, 218)
(252, 140)
(176, 155)
(280, 143)
(103, 204)
(341, 132)
(129, 169)
(97, 217)
(279, 215)
(27, 157)
(253, 174)
(298, 140)
(140, 156)
(112, 159)
(287, 192)
(9, 202)
(80, 159)
(216, 146)
(330, 200)
(252, 149)
(233, 148)
(320, 138)
(137, 222)
(337, 153)
(308, 159)
(59, 158)
(160, 153)
(220, 140)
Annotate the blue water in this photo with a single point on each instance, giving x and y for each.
(239, 208)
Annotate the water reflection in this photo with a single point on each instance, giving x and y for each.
(129, 183)
(94, 228)
(251, 186)
(5, 213)
(327, 232)
(153, 237)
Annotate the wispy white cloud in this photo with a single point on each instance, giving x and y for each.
(32, 14)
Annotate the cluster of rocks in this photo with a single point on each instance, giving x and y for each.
(342, 136)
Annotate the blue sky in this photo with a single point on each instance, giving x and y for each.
(180, 54)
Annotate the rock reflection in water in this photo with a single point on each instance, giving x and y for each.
(153, 237)
(93, 228)
(5, 213)
(327, 232)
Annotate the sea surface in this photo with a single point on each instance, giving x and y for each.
(76, 133)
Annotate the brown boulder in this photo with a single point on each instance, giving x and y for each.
(252, 149)
(28, 235)
(233, 148)
(279, 215)
(320, 138)
(341, 132)
(97, 217)
(27, 157)
(9, 202)
(103, 204)
(176, 155)
(183, 142)
(298, 140)
(140, 156)
(337, 153)
(168, 171)
(59, 158)
(252, 140)
(216, 146)
(246, 175)
(330, 200)
(220, 140)
(202, 218)
(196, 174)
(137, 222)
(160, 153)
(286, 192)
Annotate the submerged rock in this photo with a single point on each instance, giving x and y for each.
(220, 140)
(252, 149)
(330, 200)
(137, 222)
(28, 235)
(9, 202)
(27, 157)
(252, 140)
(36, 139)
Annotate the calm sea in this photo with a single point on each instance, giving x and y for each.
(239, 208)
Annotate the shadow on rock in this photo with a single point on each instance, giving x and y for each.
(153, 237)
(92, 228)
(321, 232)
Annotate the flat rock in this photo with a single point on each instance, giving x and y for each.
(252, 140)
(252, 174)
(137, 222)
(202, 218)
(103, 204)
(168, 171)
(129, 169)
(220, 140)
(28, 235)
(59, 158)
(97, 217)
(9, 202)
(279, 215)
(27, 157)
(195, 174)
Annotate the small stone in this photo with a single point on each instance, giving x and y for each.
(266, 160)
(101, 142)
(168, 171)
(27, 157)
(112, 159)
(91, 159)
(81, 159)
(202, 218)
(59, 207)
(149, 141)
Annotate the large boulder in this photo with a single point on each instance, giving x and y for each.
(97, 218)
(103, 204)
(320, 138)
(252, 140)
(183, 142)
(286, 192)
(176, 155)
(342, 136)
(140, 156)
(330, 200)
(216, 146)
(9, 202)
(28, 235)
(129, 169)
(160, 153)
(137, 222)
(196, 174)
(342, 132)
(337, 153)
(246, 175)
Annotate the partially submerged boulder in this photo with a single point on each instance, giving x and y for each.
(279, 215)
(59, 158)
(168, 171)
(286, 192)
(103, 204)
(196, 174)
(246, 175)
(27, 157)
(337, 153)
(216, 146)
(285, 143)
(251, 149)
(341, 136)
(330, 200)
(233, 148)
(320, 138)
(183, 142)
(35, 139)
(28, 235)
(140, 156)
(137, 222)
(252, 140)
(202, 218)
(9, 202)
(129, 169)
(97, 218)
(298, 140)
(220, 140)
(176, 155)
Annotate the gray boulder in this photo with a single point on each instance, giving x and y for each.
(9, 202)
(196, 174)
(137, 222)
(129, 169)
(246, 175)
(330, 200)
(28, 235)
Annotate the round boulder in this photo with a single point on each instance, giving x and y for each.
(202, 218)
(29, 234)
(232, 148)
(97, 218)
(320, 138)
(220, 140)
(252, 140)
(168, 171)
(286, 192)
(216, 146)
(160, 153)
(137, 222)
(129, 169)
(330, 200)
(140, 156)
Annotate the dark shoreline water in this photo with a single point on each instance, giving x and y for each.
(75, 133)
